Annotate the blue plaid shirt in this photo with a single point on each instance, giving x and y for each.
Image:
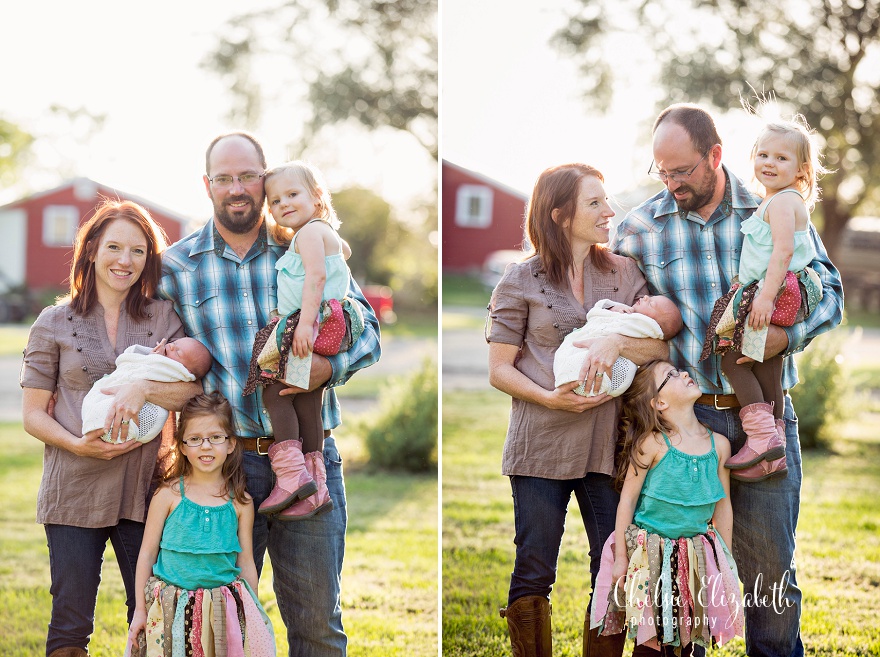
(694, 263)
(223, 300)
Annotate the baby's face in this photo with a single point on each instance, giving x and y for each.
(185, 351)
(660, 309)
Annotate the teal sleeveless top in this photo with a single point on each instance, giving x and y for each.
(758, 245)
(199, 545)
(292, 278)
(679, 494)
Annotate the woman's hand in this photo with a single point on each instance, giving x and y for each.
(603, 353)
(92, 445)
(762, 310)
(564, 398)
(303, 339)
(127, 403)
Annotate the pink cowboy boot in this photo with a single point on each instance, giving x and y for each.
(293, 481)
(762, 439)
(314, 504)
(766, 469)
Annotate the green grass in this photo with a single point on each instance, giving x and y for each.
(461, 290)
(412, 324)
(838, 540)
(13, 338)
(389, 591)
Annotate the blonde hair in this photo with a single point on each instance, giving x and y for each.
(313, 179)
(803, 138)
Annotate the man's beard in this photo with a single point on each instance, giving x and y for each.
(698, 199)
(238, 223)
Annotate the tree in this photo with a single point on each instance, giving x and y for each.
(819, 58)
(372, 61)
(15, 146)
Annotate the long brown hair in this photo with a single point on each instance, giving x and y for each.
(557, 188)
(216, 406)
(638, 420)
(83, 283)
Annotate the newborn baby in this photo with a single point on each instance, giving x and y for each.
(185, 359)
(649, 317)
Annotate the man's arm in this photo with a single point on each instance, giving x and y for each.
(365, 351)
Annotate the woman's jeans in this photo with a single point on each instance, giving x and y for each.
(539, 507)
(75, 558)
(765, 516)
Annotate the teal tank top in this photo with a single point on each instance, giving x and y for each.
(199, 545)
(292, 278)
(679, 494)
(758, 245)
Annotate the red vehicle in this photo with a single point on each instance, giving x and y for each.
(381, 298)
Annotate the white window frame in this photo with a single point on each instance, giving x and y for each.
(466, 215)
(59, 224)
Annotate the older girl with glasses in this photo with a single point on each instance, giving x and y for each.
(559, 442)
(667, 578)
(196, 570)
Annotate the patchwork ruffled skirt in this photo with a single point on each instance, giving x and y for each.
(227, 621)
(340, 324)
(676, 591)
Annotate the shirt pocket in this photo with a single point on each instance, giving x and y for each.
(203, 312)
(669, 272)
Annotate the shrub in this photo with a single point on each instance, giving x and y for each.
(403, 434)
(820, 397)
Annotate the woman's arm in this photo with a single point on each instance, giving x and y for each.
(506, 378)
(245, 559)
(160, 507)
(130, 398)
(722, 519)
(604, 351)
(44, 427)
(310, 246)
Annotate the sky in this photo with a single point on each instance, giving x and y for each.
(139, 63)
(512, 107)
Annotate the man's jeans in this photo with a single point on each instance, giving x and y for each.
(306, 560)
(765, 516)
(539, 507)
(75, 558)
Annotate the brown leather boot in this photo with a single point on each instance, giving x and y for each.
(595, 645)
(528, 622)
(69, 652)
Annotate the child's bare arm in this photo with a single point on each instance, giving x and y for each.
(245, 559)
(781, 217)
(722, 519)
(310, 246)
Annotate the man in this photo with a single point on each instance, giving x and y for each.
(222, 281)
(687, 242)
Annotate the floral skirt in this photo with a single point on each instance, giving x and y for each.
(227, 621)
(271, 352)
(676, 591)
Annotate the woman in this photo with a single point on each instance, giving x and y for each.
(93, 490)
(558, 442)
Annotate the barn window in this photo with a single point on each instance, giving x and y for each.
(473, 206)
(59, 224)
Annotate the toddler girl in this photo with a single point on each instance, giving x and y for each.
(774, 286)
(196, 565)
(667, 576)
(312, 283)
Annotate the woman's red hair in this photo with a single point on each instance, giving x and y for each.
(557, 188)
(83, 283)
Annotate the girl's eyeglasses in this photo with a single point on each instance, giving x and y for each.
(198, 441)
(671, 373)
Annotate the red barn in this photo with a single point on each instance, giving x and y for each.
(480, 216)
(38, 232)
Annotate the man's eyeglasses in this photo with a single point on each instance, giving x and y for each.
(671, 373)
(245, 179)
(198, 441)
(678, 176)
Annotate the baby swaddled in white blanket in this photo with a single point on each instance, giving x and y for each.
(649, 317)
(185, 359)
